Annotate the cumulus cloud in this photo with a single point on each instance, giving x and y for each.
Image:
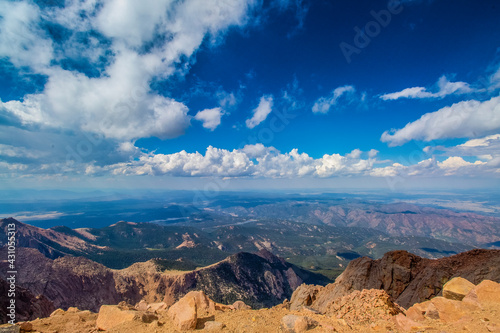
(466, 119)
(432, 167)
(455, 162)
(261, 112)
(485, 149)
(324, 104)
(22, 41)
(249, 161)
(210, 118)
(140, 42)
(444, 88)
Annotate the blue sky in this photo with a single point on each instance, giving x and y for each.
(294, 93)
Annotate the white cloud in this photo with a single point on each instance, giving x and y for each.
(215, 162)
(21, 40)
(250, 161)
(455, 162)
(467, 119)
(482, 142)
(118, 16)
(484, 149)
(144, 41)
(444, 88)
(210, 118)
(388, 171)
(324, 104)
(226, 100)
(261, 112)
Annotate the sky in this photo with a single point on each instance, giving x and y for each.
(229, 94)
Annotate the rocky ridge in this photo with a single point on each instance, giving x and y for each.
(360, 311)
(408, 278)
(257, 279)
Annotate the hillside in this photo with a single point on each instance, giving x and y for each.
(321, 248)
(259, 279)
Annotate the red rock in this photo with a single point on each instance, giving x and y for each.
(405, 324)
(111, 316)
(484, 294)
(297, 324)
(157, 307)
(184, 314)
(457, 288)
(363, 306)
(204, 305)
(419, 311)
(57, 312)
(240, 305)
(142, 305)
(451, 311)
(304, 295)
(214, 326)
(26, 326)
(408, 278)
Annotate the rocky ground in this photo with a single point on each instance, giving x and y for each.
(464, 307)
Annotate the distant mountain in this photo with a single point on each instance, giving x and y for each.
(398, 219)
(259, 280)
(321, 248)
(52, 243)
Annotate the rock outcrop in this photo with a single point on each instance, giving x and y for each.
(360, 311)
(28, 304)
(410, 279)
(364, 306)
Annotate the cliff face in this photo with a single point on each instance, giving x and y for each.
(407, 278)
(28, 306)
(257, 279)
(410, 279)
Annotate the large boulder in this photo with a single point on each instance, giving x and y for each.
(297, 324)
(457, 288)
(240, 305)
(214, 326)
(405, 324)
(450, 311)
(484, 294)
(112, 315)
(420, 311)
(184, 313)
(304, 295)
(204, 305)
